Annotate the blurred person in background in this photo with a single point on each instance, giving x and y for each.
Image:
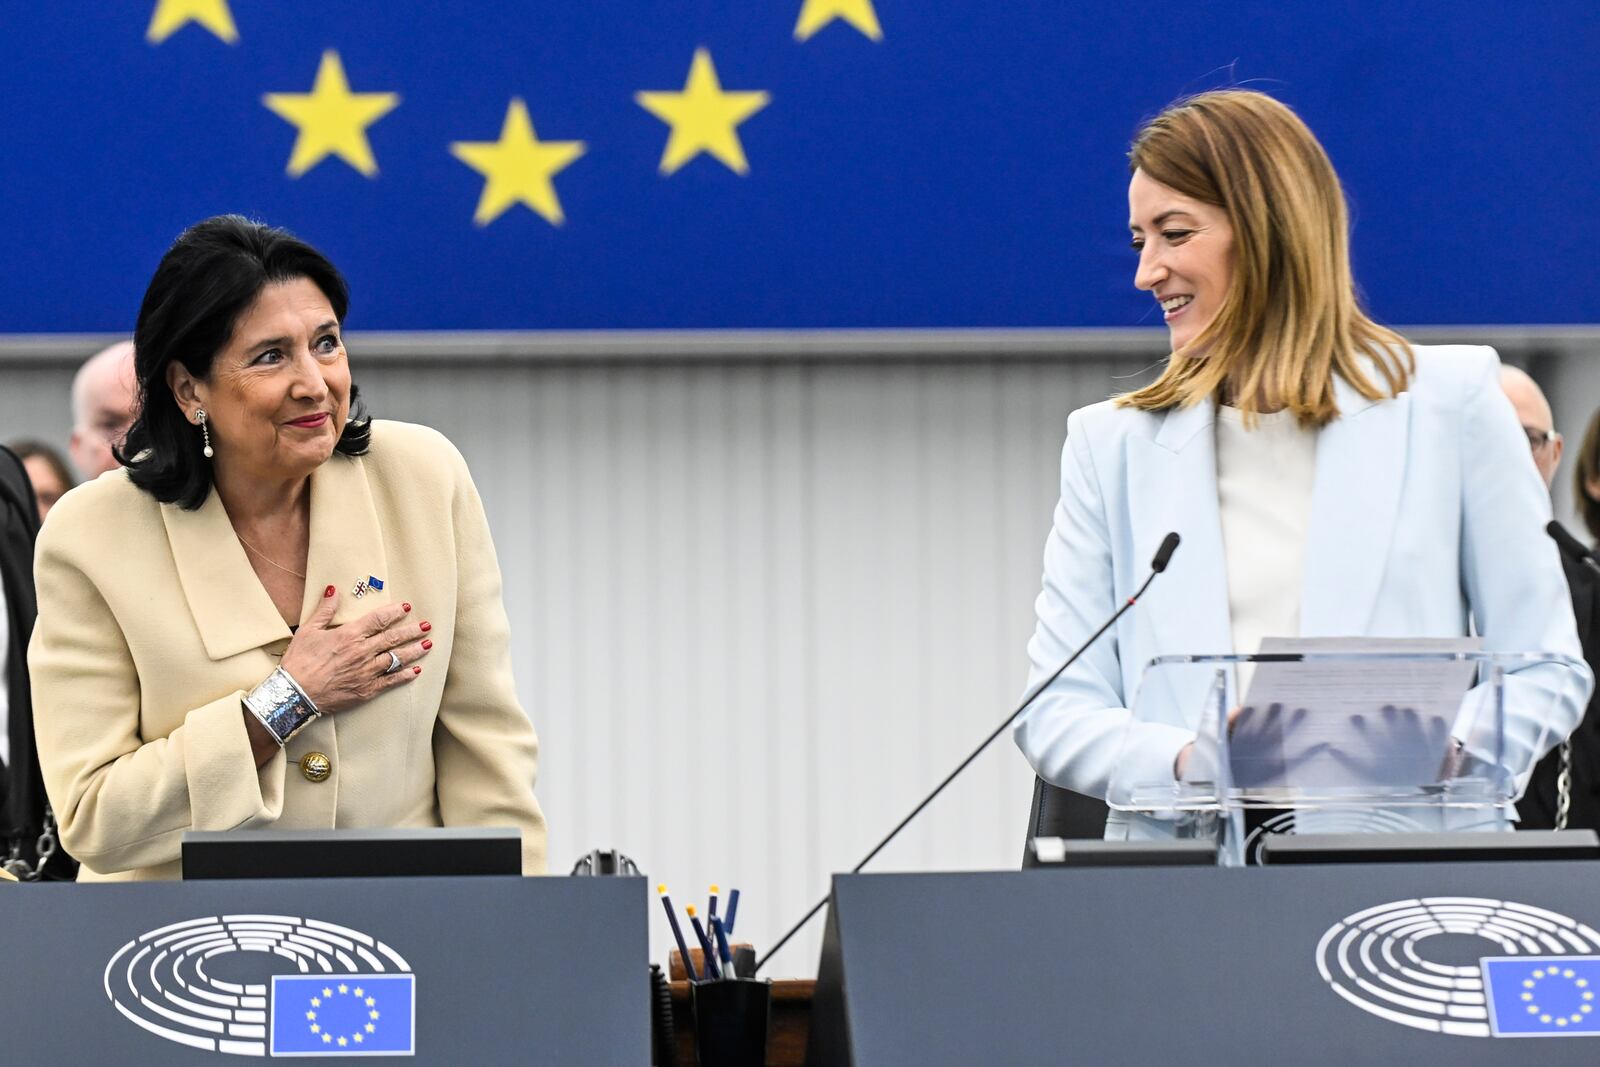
(47, 470)
(104, 403)
(30, 849)
(1586, 478)
(226, 637)
(1564, 792)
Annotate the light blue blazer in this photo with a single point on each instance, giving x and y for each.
(1426, 512)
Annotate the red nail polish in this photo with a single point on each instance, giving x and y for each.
(405, 607)
(328, 592)
(416, 670)
(427, 645)
(425, 627)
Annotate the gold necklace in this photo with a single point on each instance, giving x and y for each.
(264, 556)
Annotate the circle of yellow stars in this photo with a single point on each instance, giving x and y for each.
(1530, 986)
(331, 119)
(344, 1040)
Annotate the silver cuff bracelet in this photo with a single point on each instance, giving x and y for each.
(281, 706)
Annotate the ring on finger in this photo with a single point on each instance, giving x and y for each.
(394, 663)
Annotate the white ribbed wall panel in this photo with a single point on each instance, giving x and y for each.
(760, 609)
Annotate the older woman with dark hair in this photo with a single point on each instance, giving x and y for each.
(284, 615)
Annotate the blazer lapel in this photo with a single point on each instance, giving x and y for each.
(231, 608)
(346, 540)
(1355, 501)
(1172, 486)
(229, 604)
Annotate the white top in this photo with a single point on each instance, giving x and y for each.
(1264, 479)
(5, 697)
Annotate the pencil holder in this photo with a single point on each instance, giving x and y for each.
(730, 1021)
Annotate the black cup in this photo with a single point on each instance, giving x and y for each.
(730, 1021)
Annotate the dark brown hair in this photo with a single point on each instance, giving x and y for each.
(208, 279)
(1586, 472)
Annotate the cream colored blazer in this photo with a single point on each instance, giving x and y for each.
(152, 627)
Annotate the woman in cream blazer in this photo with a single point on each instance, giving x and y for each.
(1396, 498)
(158, 628)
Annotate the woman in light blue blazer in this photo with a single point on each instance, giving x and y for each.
(1327, 478)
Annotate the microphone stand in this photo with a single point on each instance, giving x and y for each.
(1169, 544)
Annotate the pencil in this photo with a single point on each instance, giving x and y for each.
(677, 932)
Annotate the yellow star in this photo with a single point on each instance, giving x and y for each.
(327, 1038)
(170, 16)
(316, 1028)
(818, 13)
(332, 121)
(343, 988)
(371, 1028)
(343, 1041)
(703, 117)
(359, 1038)
(358, 992)
(327, 992)
(518, 168)
(371, 1002)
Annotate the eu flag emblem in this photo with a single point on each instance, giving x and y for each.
(1542, 996)
(343, 1015)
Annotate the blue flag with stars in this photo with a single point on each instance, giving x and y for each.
(787, 164)
(1542, 996)
(343, 1015)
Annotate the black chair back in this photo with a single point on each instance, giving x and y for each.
(1058, 812)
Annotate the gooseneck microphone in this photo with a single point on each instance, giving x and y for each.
(1571, 546)
(1169, 545)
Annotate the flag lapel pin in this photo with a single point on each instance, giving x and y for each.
(366, 585)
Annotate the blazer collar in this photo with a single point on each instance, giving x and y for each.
(1173, 487)
(231, 608)
(1355, 502)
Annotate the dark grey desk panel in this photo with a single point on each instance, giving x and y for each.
(508, 970)
(1146, 966)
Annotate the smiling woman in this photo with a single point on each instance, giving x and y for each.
(1327, 478)
(194, 642)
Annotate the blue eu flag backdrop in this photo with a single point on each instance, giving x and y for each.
(1531, 996)
(787, 164)
(343, 1015)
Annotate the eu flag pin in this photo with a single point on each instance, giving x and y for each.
(368, 583)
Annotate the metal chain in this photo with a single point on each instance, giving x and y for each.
(44, 848)
(1564, 786)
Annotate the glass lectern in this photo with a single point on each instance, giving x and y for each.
(1337, 742)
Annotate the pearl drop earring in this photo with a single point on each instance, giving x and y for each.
(205, 432)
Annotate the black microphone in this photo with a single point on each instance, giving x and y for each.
(1571, 546)
(1169, 545)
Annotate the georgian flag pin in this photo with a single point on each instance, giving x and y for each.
(368, 583)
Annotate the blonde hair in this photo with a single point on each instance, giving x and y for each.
(1290, 318)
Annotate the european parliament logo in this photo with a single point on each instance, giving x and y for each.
(260, 985)
(1401, 962)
